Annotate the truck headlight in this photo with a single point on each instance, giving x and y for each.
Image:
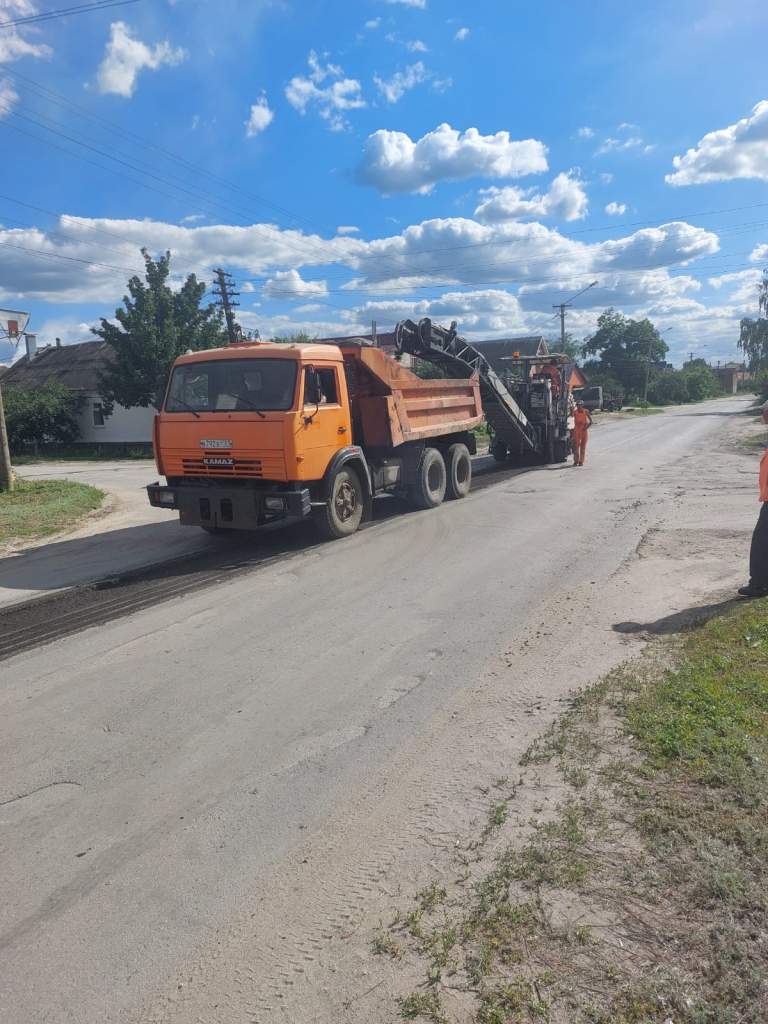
(274, 504)
(165, 497)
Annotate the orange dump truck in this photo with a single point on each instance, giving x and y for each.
(260, 432)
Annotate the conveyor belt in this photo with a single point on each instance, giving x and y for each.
(446, 349)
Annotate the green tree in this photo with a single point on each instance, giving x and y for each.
(669, 388)
(700, 382)
(753, 336)
(155, 325)
(571, 347)
(44, 414)
(624, 348)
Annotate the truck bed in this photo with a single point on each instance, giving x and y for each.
(391, 405)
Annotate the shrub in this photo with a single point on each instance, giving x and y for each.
(42, 414)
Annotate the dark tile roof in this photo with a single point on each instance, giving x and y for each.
(498, 351)
(75, 366)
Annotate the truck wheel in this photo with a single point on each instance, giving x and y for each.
(428, 489)
(499, 451)
(342, 513)
(458, 465)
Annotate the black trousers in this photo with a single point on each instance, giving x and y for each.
(758, 554)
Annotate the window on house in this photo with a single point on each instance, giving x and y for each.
(98, 414)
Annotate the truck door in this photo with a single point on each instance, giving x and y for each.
(325, 422)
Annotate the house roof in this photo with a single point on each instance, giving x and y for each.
(500, 350)
(77, 367)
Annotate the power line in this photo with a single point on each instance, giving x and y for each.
(69, 259)
(64, 12)
(362, 257)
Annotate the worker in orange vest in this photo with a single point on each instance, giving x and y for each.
(758, 554)
(582, 422)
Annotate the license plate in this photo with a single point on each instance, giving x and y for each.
(218, 461)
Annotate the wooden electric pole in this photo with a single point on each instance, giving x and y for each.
(228, 301)
(6, 470)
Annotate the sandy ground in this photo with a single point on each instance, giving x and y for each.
(210, 805)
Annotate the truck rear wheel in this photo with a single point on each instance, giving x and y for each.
(428, 490)
(459, 470)
(342, 513)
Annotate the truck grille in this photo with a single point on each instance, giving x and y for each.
(240, 467)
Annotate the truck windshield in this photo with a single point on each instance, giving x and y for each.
(232, 385)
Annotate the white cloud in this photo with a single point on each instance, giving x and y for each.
(394, 88)
(8, 97)
(565, 198)
(347, 229)
(13, 44)
(459, 251)
(261, 117)
(393, 162)
(606, 178)
(373, 23)
(586, 132)
(416, 46)
(615, 209)
(421, 4)
(743, 286)
(461, 35)
(338, 95)
(456, 252)
(247, 287)
(621, 145)
(622, 290)
(289, 284)
(488, 311)
(760, 253)
(738, 151)
(126, 56)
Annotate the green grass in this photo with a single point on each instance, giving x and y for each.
(651, 410)
(662, 831)
(81, 453)
(39, 508)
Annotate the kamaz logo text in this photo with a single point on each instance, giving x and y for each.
(215, 443)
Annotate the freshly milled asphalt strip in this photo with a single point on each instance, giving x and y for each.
(34, 623)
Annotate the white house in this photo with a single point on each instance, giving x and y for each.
(77, 368)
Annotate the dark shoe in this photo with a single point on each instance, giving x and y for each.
(752, 590)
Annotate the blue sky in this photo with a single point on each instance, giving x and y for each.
(389, 158)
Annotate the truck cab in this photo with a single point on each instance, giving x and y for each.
(243, 432)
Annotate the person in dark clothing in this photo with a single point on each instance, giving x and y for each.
(758, 554)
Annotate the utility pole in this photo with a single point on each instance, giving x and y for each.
(6, 470)
(562, 306)
(227, 301)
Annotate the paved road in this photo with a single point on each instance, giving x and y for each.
(157, 771)
(134, 534)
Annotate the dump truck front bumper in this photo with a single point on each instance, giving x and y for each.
(234, 508)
